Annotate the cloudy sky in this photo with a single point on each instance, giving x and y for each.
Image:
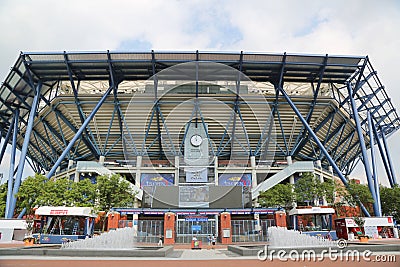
(349, 27)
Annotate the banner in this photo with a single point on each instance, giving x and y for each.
(235, 179)
(156, 179)
(196, 175)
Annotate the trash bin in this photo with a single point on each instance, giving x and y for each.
(196, 244)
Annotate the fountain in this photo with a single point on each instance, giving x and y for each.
(121, 238)
(284, 238)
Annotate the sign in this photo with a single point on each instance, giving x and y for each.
(196, 228)
(58, 212)
(234, 179)
(168, 233)
(196, 175)
(351, 223)
(194, 196)
(226, 233)
(156, 179)
(239, 211)
(371, 231)
(196, 218)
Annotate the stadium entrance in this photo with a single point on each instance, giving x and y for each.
(181, 225)
(200, 226)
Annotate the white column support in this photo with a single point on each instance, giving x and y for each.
(215, 170)
(253, 172)
(138, 172)
(291, 178)
(321, 179)
(290, 162)
(70, 163)
(176, 180)
(101, 160)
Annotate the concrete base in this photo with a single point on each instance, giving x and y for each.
(253, 250)
(56, 251)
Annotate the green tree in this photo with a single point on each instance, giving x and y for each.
(390, 201)
(55, 193)
(327, 190)
(31, 193)
(3, 199)
(358, 192)
(82, 193)
(108, 192)
(113, 191)
(307, 188)
(281, 195)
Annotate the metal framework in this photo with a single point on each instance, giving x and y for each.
(57, 107)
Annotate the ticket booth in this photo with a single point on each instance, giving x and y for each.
(56, 225)
(374, 227)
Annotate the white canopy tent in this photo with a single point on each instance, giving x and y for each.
(65, 211)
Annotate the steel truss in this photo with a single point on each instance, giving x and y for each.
(48, 115)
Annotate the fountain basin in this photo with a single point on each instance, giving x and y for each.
(56, 251)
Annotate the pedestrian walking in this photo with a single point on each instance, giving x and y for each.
(160, 241)
(213, 241)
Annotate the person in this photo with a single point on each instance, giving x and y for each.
(195, 242)
(160, 241)
(213, 240)
(209, 241)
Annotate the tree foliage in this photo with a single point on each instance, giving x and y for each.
(113, 191)
(280, 195)
(358, 192)
(31, 193)
(37, 190)
(308, 189)
(3, 199)
(390, 201)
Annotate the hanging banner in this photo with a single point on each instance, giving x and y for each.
(156, 179)
(196, 175)
(234, 179)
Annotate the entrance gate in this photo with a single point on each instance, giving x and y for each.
(149, 231)
(185, 230)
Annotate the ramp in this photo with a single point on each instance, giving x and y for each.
(299, 166)
(95, 167)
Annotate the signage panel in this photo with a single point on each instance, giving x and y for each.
(234, 179)
(196, 175)
(156, 179)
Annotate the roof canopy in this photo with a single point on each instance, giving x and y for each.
(65, 211)
(55, 73)
(313, 210)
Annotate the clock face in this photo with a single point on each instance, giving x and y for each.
(196, 140)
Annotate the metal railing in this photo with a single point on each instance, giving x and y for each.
(250, 231)
(149, 231)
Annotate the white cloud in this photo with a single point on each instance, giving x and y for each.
(319, 27)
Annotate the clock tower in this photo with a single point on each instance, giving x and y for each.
(196, 145)
(196, 152)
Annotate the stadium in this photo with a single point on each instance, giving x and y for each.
(199, 135)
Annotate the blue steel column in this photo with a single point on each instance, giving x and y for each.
(24, 149)
(5, 142)
(79, 132)
(320, 145)
(389, 158)
(383, 156)
(363, 148)
(12, 165)
(374, 172)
